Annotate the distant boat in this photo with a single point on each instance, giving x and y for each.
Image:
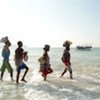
(84, 47)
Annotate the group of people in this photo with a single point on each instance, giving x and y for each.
(21, 56)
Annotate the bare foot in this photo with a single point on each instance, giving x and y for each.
(44, 78)
(23, 80)
(0, 78)
(71, 77)
(12, 79)
(17, 83)
(60, 76)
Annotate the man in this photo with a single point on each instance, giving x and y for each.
(19, 54)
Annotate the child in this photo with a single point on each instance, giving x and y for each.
(66, 59)
(5, 55)
(19, 57)
(45, 63)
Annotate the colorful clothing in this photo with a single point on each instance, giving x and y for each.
(66, 61)
(6, 64)
(20, 67)
(66, 58)
(5, 54)
(45, 67)
(45, 72)
(19, 60)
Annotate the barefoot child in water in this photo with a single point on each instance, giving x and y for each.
(20, 55)
(66, 59)
(45, 68)
(5, 55)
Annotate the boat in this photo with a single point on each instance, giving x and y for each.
(87, 47)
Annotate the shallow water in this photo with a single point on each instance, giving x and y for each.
(84, 86)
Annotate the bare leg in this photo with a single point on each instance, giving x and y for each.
(65, 70)
(2, 73)
(23, 78)
(45, 78)
(11, 75)
(70, 72)
(71, 76)
(17, 77)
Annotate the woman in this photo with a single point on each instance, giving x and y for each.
(5, 55)
(45, 63)
(66, 59)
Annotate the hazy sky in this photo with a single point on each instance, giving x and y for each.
(39, 22)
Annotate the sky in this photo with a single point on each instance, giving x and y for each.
(40, 22)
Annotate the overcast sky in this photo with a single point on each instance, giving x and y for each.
(39, 22)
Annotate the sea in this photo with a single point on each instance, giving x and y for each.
(85, 84)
